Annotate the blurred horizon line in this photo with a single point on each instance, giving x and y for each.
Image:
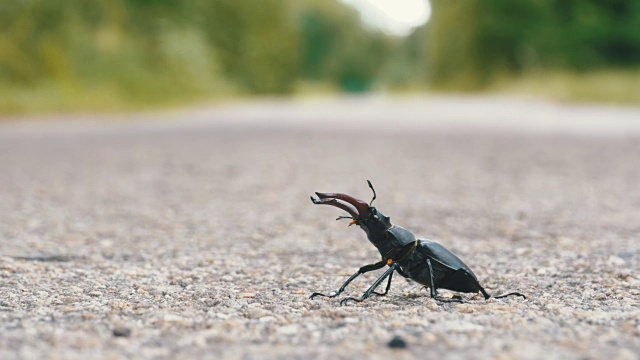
(389, 114)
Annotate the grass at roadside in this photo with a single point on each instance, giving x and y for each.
(69, 97)
(606, 86)
(609, 86)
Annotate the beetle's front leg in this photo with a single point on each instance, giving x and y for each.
(360, 271)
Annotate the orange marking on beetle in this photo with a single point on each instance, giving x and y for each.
(390, 261)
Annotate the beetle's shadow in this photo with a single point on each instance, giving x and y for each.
(455, 298)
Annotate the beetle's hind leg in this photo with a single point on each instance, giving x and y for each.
(474, 285)
(360, 271)
(483, 291)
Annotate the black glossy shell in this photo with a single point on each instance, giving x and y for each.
(401, 236)
(448, 270)
(443, 255)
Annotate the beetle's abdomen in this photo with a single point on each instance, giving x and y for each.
(442, 255)
(449, 272)
(420, 273)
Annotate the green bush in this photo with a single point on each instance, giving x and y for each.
(473, 42)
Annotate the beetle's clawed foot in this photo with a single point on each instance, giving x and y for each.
(509, 294)
(323, 295)
(343, 301)
(346, 300)
(454, 299)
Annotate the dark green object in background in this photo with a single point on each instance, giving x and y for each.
(472, 41)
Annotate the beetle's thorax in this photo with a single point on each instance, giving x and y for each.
(389, 239)
(378, 239)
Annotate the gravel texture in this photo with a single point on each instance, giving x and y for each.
(181, 240)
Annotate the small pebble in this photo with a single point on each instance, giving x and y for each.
(121, 332)
(397, 343)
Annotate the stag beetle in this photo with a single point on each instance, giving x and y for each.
(423, 261)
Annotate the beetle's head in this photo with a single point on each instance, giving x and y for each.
(373, 222)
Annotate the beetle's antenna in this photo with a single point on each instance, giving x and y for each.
(344, 217)
(353, 220)
(374, 192)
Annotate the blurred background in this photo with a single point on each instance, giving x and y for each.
(107, 55)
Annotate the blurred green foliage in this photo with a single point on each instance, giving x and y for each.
(336, 46)
(473, 42)
(94, 54)
(113, 54)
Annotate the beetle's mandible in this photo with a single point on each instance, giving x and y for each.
(423, 261)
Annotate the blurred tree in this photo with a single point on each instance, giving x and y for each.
(453, 43)
(257, 42)
(336, 46)
(471, 41)
(406, 66)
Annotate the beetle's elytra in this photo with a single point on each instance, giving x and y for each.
(423, 261)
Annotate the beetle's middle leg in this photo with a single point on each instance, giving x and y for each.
(371, 289)
(386, 291)
(434, 291)
(360, 271)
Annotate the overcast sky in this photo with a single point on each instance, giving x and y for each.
(396, 17)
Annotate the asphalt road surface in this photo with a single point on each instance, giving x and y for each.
(191, 233)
